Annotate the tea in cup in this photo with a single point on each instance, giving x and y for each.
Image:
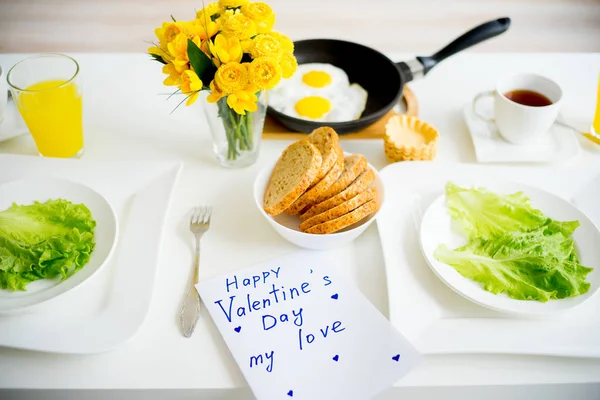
(525, 106)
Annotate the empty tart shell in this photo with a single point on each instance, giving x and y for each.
(409, 139)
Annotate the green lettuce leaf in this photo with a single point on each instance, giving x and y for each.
(512, 247)
(535, 265)
(479, 212)
(44, 240)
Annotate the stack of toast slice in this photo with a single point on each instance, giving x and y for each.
(313, 179)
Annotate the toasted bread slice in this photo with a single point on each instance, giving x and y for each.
(294, 172)
(354, 165)
(340, 210)
(308, 198)
(363, 181)
(345, 220)
(327, 141)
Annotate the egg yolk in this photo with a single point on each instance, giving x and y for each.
(312, 107)
(316, 79)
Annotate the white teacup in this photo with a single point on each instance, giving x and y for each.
(519, 123)
(3, 94)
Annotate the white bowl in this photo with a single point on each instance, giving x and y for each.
(288, 225)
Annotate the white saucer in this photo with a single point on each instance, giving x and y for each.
(558, 145)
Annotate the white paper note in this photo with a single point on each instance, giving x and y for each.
(298, 330)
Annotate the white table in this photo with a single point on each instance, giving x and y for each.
(126, 118)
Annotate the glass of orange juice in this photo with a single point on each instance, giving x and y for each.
(47, 91)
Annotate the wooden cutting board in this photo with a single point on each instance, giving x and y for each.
(408, 105)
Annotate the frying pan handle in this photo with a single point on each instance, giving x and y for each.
(422, 65)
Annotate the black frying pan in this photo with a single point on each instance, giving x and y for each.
(383, 79)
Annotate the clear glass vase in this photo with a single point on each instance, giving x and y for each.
(236, 138)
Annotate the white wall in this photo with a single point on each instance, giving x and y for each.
(388, 25)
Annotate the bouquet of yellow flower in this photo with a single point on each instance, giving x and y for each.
(230, 50)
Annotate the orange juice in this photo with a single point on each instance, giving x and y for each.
(52, 111)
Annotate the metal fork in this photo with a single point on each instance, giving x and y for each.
(190, 312)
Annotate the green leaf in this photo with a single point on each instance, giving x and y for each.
(44, 240)
(534, 265)
(513, 248)
(158, 58)
(204, 67)
(479, 212)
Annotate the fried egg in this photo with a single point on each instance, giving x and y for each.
(319, 92)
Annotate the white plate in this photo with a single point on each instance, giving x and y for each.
(435, 318)
(25, 192)
(558, 145)
(436, 229)
(110, 309)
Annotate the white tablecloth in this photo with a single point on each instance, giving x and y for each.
(127, 117)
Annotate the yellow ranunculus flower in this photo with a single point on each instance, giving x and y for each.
(265, 46)
(160, 33)
(163, 53)
(246, 44)
(286, 43)
(240, 26)
(178, 50)
(243, 100)
(226, 49)
(203, 29)
(261, 14)
(215, 93)
(190, 85)
(172, 30)
(288, 65)
(204, 46)
(167, 32)
(209, 10)
(233, 3)
(227, 14)
(174, 78)
(265, 72)
(232, 77)
(155, 50)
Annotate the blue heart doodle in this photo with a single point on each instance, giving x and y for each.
(336, 357)
(238, 329)
(396, 357)
(334, 296)
(290, 393)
